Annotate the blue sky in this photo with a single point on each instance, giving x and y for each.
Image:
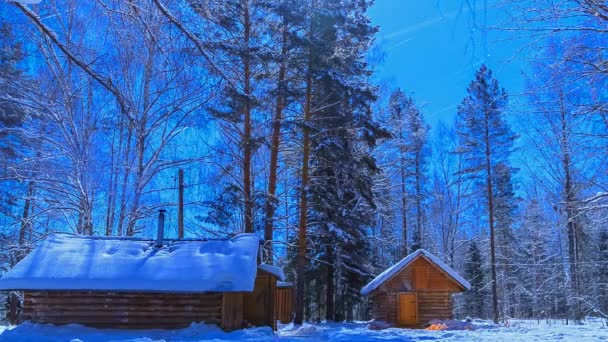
(432, 49)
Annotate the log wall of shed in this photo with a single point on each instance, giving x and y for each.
(129, 309)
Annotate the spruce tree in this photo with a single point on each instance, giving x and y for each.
(474, 274)
(341, 166)
(485, 141)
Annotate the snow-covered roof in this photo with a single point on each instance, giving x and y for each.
(284, 284)
(274, 270)
(68, 262)
(28, 2)
(393, 270)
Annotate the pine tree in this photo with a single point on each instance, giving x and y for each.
(310, 56)
(282, 32)
(241, 48)
(474, 273)
(485, 141)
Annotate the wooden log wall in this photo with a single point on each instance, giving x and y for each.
(434, 305)
(122, 309)
(384, 307)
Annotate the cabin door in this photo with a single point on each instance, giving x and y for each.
(407, 312)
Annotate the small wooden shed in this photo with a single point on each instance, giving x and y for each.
(414, 291)
(135, 283)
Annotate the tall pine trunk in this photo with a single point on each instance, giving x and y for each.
(303, 210)
(247, 143)
(274, 149)
(330, 310)
(403, 205)
(418, 199)
(573, 243)
(25, 217)
(491, 218)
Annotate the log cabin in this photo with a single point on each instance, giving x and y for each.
(111, 282)
(414, 291)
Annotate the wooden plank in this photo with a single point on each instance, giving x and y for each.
(232, 311)
(259, 305)
(284, 305)
(271, 303)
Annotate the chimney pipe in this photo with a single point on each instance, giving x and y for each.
(161, 228)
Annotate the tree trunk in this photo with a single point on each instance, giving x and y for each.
(274, 149)
(140, 145)
(403, 205)
(113, 183)
(247, 143)
(330, 289)
(180, 205)
(418, 200)
(573, 243)
(125, 181)
(25, 219)
(491, 218)
(138, 185)
(303, 214)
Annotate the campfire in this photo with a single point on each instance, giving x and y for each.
(448, 324)
(437, 326)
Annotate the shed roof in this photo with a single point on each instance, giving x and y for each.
(393, 270)
(68, 262)
(274, 270)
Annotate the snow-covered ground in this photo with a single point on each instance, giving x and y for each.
(592, 330)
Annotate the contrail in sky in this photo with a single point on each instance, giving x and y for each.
(400, 43)
(422, 25)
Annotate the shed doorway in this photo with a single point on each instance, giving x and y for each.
(408, 308)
